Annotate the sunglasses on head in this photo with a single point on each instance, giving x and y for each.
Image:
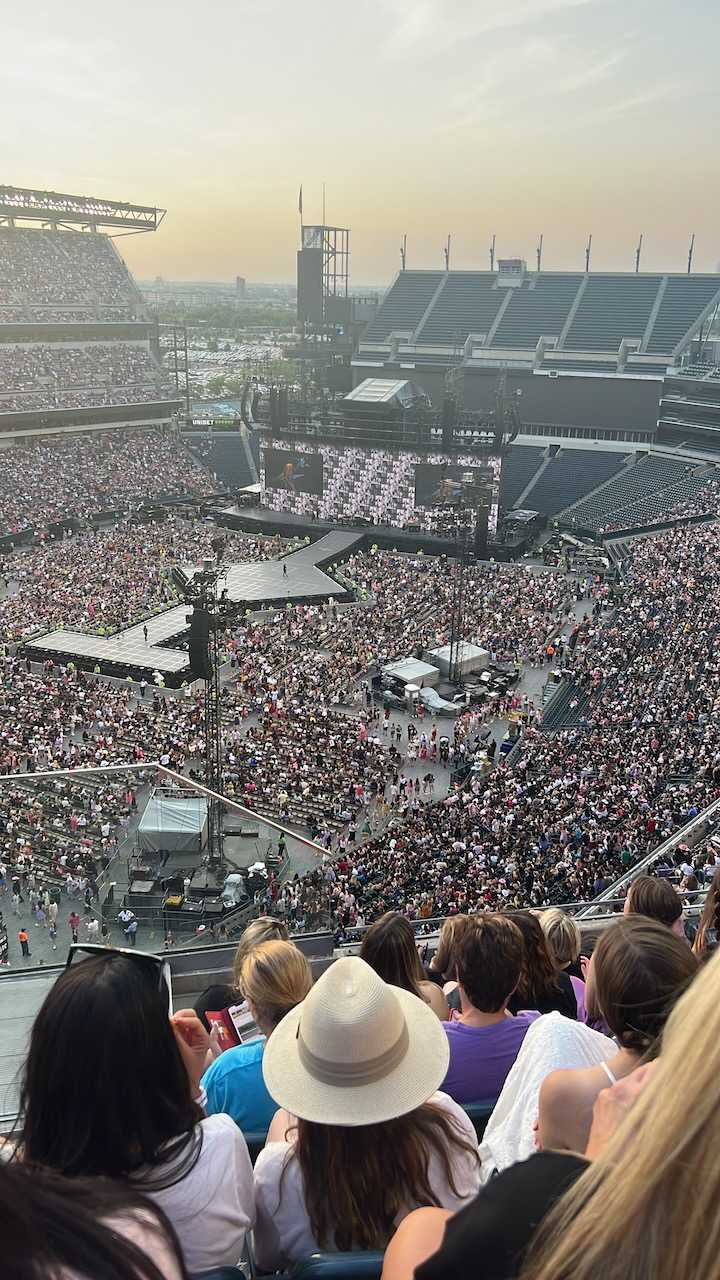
(157, 967)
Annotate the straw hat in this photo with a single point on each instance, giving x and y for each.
(356, 1051)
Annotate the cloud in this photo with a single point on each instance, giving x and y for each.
(665, 91)
(425, 28)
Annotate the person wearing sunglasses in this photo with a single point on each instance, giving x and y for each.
(111, 1088)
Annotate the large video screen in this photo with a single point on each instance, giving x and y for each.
(294, 472)
(448, 484)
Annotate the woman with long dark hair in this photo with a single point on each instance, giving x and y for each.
(364, 1136)
(389, 948)
(111, 1089)
(543, 984)
(56, 1228)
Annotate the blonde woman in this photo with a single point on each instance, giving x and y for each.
(223, 995)
(563, 938)
(274, 977)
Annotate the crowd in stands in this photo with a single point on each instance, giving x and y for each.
(428, 1115)
(57, 276)
(43, 376)
(52, 480)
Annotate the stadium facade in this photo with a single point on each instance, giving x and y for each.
(587, 351)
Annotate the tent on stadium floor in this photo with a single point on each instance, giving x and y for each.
(171, 823)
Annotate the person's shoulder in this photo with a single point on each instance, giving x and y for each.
(564, 1084)
(240, 1058)
(272, 1161)
(220, 1128)
(445, 1103)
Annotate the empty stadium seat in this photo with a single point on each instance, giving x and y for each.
(404, 304)
(479, 1113)
(468, 303)
(572, 473)
(685, 298)
(517, 470)
(649, 475)
(612, 307)
(540, 308)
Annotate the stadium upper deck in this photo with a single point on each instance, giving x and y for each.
(602, 322)
(75, 343)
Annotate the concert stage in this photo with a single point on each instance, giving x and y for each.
(264, 521)
(158, 643)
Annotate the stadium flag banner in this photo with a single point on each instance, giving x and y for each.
(293, 471)
(445, 484)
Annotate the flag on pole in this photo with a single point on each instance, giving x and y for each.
(300, 201)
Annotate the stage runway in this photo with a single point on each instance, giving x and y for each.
(147, 646)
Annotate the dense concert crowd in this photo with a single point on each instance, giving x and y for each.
(578, 805)
(105, 579)
(55, 276)
(58, 376)
(53, 480)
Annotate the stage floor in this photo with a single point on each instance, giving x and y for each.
(143, 648)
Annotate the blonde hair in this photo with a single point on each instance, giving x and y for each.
(620, 1219)
(562, 934)
(275, 976)
(263, 929)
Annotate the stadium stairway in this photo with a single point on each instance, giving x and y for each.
(519, 468)
(560, 714)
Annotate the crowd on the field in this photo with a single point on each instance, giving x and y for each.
(52, 480)
(102, 580)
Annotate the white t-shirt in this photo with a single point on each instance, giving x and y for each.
(212, 1208)
(283, 1233)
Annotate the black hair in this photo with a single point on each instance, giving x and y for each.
(54, 1226)
(105, 1091)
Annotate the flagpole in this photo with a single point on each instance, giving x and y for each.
(323, 204)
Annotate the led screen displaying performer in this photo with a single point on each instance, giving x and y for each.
(294, 472)
(446, 484)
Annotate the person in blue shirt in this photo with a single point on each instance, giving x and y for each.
(274, 977)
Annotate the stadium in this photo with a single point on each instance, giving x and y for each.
(356, 723)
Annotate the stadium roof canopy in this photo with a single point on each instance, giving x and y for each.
(52, 208)
(607, 322)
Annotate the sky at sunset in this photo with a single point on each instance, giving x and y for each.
(422, 116)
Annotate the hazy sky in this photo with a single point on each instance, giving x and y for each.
(422, 116)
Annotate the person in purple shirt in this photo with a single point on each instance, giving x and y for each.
(484, 1038)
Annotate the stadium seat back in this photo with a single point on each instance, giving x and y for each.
(339, 1266)
(255, 1142)
(479, 1113)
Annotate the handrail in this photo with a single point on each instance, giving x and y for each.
(668, 846)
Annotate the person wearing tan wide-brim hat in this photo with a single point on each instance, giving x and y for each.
(357, 1055)
(355, 1051)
